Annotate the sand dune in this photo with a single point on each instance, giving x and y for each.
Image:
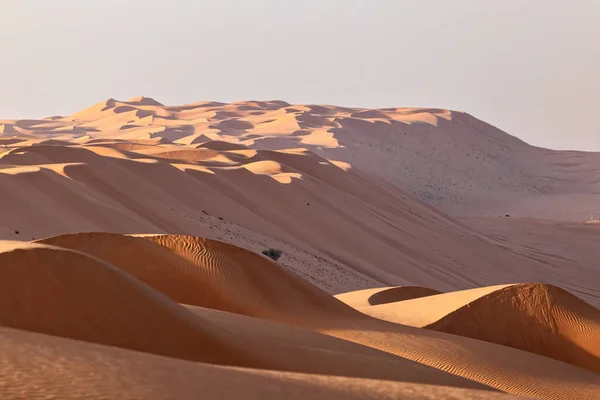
(542, 319)
(179, 300)
(216, 275)
(446, 158)
(200, 273)
(361, 232)
(402, 312)
(69, 294)
(78, 297)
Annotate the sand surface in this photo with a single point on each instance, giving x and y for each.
(400, 275)
(339, 228)
(539, 318)
(215, 275)
(446, 158)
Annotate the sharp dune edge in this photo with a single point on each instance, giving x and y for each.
(377, 294)
(373, 297)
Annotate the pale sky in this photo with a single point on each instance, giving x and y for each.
(531, 68)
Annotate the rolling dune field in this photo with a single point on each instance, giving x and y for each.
(424, 254)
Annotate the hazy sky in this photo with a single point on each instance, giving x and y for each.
(532, 68)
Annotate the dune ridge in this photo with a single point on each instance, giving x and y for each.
(234, 280)
(538, 318)
(446, 158)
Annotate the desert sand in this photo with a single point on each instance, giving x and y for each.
(538, 318)
(426, 254)
(446, 158)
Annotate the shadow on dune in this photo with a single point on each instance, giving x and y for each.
(400, 293)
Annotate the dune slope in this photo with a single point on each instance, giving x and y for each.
(65, 293)
(40, 367)
(216, 275)
(541, 319)
(342, 230)
(446, 158)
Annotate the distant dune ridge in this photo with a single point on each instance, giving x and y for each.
(424, 224)
(446, 158)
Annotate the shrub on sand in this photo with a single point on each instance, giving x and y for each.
(273, 254)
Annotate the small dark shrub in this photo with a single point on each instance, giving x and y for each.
(273, 254)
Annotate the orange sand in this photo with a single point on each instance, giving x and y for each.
(216, 275)
(179, 300)
(539, 318)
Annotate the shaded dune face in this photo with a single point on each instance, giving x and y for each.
(373, 297)
(211, 274)
(360, 231)
(401, 293)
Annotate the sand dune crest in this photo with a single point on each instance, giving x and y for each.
(215, 275)
(538, 318)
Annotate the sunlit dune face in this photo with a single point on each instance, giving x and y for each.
(272, 169)
(255, 124)
(19, 170)
(144, 130)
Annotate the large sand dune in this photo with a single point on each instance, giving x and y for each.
(217, 275)
(446, 158)
(78, 297)
(542, 319)
(178, 299)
